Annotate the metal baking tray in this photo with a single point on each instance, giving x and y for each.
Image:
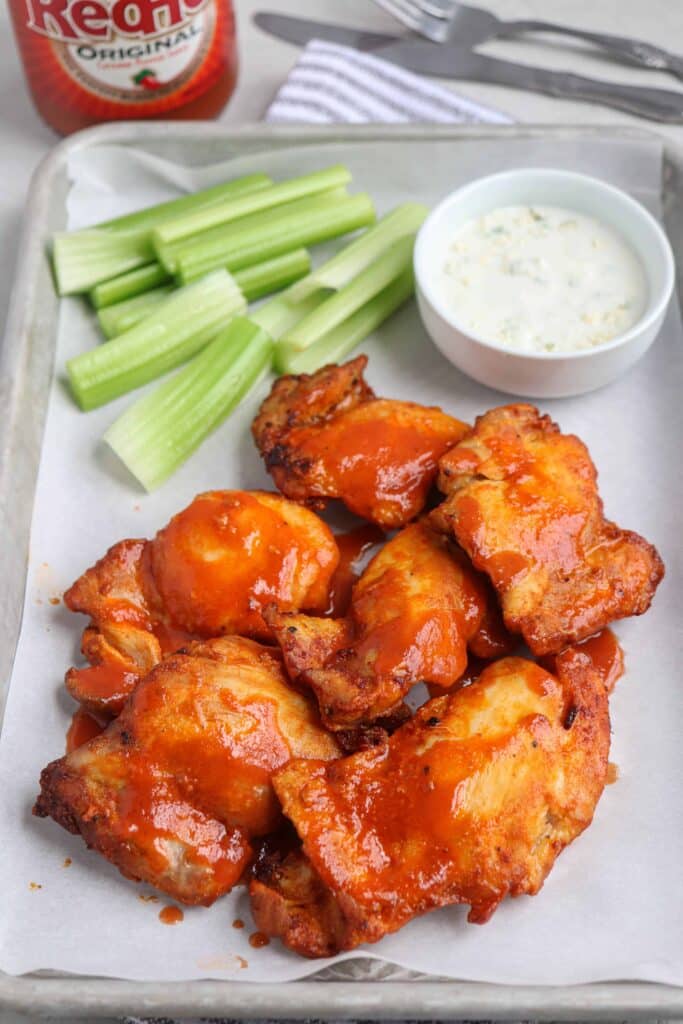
(26, 360)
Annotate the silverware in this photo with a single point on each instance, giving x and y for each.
(449, 20)
(455, 61)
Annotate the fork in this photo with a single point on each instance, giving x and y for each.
(448, 20)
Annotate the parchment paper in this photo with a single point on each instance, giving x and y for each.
(612, 907)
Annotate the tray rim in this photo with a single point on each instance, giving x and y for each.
(419, 999)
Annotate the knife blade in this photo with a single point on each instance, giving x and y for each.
(459, 62)
(301, 30)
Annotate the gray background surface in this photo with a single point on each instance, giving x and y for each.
(24, 139)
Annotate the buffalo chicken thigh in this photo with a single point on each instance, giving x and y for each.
(173, 791)
(209, 572)
(414, 611)
(327, 436)
(523, 502)
(470, 801)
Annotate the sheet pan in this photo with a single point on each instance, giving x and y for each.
(25, 369)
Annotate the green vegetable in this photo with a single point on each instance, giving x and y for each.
(226, 246)
(210, 245)
(173, 332)
(126, 286)
(121, 316)
(347, 264)
(279, 315)
(161, 430)
(261, 279)
(305, 222)
(274, 274)
(232, 209)
(353, 296)
(82, 259)
(337, 343)
(152, 216)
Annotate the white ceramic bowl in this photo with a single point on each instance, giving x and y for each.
(543, 374)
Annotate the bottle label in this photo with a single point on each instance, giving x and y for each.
(130, 51)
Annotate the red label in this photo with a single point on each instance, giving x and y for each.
(69, 21)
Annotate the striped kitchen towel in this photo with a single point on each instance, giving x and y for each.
(332, 84)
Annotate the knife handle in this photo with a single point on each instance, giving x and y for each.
(655, 104)
(643, 54)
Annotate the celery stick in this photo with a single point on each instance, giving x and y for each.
(125, 286)
(211, 245)
(84, 258)
(342, 304)
(219, 213)
(285, 231)
(173, 332)
(282, 314)
(351, 260)
(278, 315)
(153, 215)
(336, 345)
(161, 430)
(272, 275)
(253, 282)
(123, 315)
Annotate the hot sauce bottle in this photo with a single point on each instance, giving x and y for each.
(88, 61)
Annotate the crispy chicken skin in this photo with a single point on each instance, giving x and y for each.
(327, 436)
(174, 789)
(129, 631)
(289, 901)
(603, 651)
(414, 610)
(209, 572)
(470, 801)
(523, 503)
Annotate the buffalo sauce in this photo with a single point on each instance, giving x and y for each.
(352, 545)
(475, 667)
(602, 651)
(385, 465)
(607, 656)
(88, 61)
(152, 811)
(227, 768)
(171, 915)
(83, 727)
(241, 554)
(109, 686)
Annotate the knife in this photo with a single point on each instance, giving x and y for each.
(449, 60)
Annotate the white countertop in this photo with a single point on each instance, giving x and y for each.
(24, 139)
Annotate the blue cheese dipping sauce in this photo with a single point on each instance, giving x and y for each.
(542, 279)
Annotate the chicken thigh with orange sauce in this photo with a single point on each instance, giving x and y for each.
(175, 788)
(209, 572)
(414, 611)
(327, 436)
(129, 631)
(219, 563)
(523, 502)
(470, 801)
